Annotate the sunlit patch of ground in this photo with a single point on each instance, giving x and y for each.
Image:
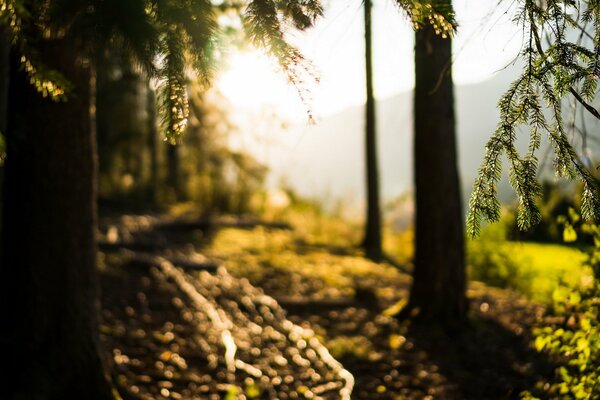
(285, 265)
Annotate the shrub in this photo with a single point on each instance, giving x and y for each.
(490, 261)
(576, 339)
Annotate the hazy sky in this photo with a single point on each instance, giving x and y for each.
(326, 160)
(486, 41)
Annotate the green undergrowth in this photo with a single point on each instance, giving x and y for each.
(533, 269)
(572, 336)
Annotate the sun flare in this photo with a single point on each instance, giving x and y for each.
(253, 81)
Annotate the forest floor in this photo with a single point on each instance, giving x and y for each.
(194, 309)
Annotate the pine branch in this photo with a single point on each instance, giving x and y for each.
(173, 93)
(551, 73)
(264, 24)
(438, 13)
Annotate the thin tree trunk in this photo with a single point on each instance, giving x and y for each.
(152, 143)
(438, 290)
(372, 239)
(173, 173)
(48, 299)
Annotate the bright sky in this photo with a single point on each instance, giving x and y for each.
(486, 42)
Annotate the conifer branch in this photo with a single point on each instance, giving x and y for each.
(551, 73)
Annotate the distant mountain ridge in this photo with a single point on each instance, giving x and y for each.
(328, 159)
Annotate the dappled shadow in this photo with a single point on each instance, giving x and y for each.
(386, 362)
(304, 247)
(486, 360)
(489, 359)
(174, 335)
(156, 231)
(156, 350)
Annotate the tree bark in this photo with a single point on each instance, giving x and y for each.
(439, 281)
(4, 76)
(372, 239)
(173, 173)
(48, 300)
(152, 143)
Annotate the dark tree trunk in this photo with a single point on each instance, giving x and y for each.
(372, 239)
(4, 77)
(48, 278)
(152, 143)
(173, 173)
(4, 82)
(438, 290)
(103, 116)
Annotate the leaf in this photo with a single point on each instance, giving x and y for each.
(569, 233)
(540, 343)
(574, 298)
(573, 215)
(585, 324)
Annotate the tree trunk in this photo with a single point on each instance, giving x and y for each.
(173, 173)
(372, 239)
(48, 281)
(439, 282)
(4, 81)
(152, 143)
(4, 76)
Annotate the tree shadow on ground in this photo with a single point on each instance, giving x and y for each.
(489, 359)
(486, 360)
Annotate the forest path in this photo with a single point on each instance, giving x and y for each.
(188, 329)
(170, 329)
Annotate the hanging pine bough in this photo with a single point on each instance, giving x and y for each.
(173, 93)
(49, 83)
(170, 39)
(438, 13)
(180, 36)
(562, 60)
(265, 23)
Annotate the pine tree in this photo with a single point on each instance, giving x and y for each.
(152, 144)
(372, 239)
(438, 292)
(48, 279)
(422, 13)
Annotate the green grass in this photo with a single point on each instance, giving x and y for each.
(534, 269)
(550, 266)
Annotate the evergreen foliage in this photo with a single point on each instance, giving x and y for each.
(169, 38)
(562, 58)
(574, 340)
(437, 13)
